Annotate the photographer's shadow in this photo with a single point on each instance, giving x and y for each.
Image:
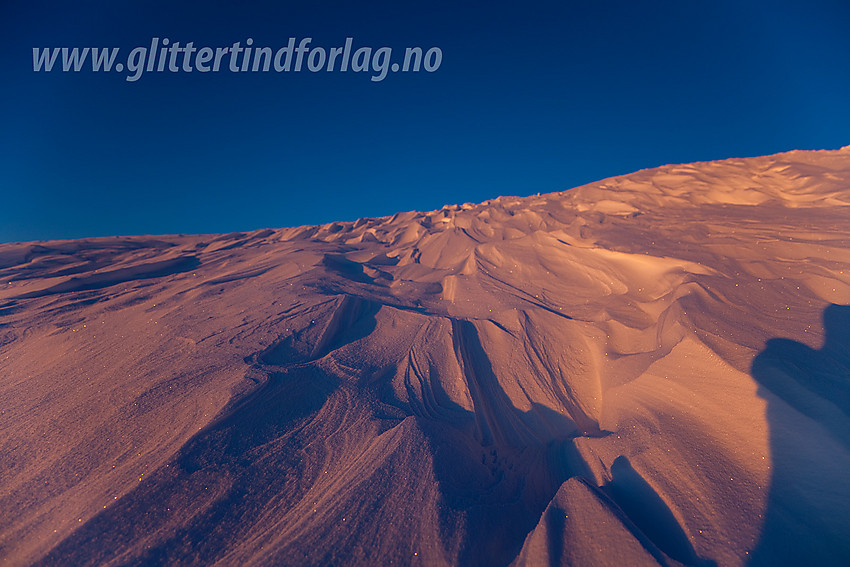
(807, 515)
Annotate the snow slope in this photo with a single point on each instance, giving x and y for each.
(651, 369)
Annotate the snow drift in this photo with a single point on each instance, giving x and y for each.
(651, 369)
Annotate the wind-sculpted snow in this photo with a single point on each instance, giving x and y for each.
(650, 369)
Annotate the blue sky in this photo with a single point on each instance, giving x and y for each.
(530, 97)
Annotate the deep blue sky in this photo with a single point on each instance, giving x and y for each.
(530, 97)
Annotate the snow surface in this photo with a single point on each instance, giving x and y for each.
(650, 369)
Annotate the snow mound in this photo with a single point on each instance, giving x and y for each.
(650, 369)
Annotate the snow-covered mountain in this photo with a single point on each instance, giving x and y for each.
(650, 369)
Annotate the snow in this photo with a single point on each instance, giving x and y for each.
(571, 378)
